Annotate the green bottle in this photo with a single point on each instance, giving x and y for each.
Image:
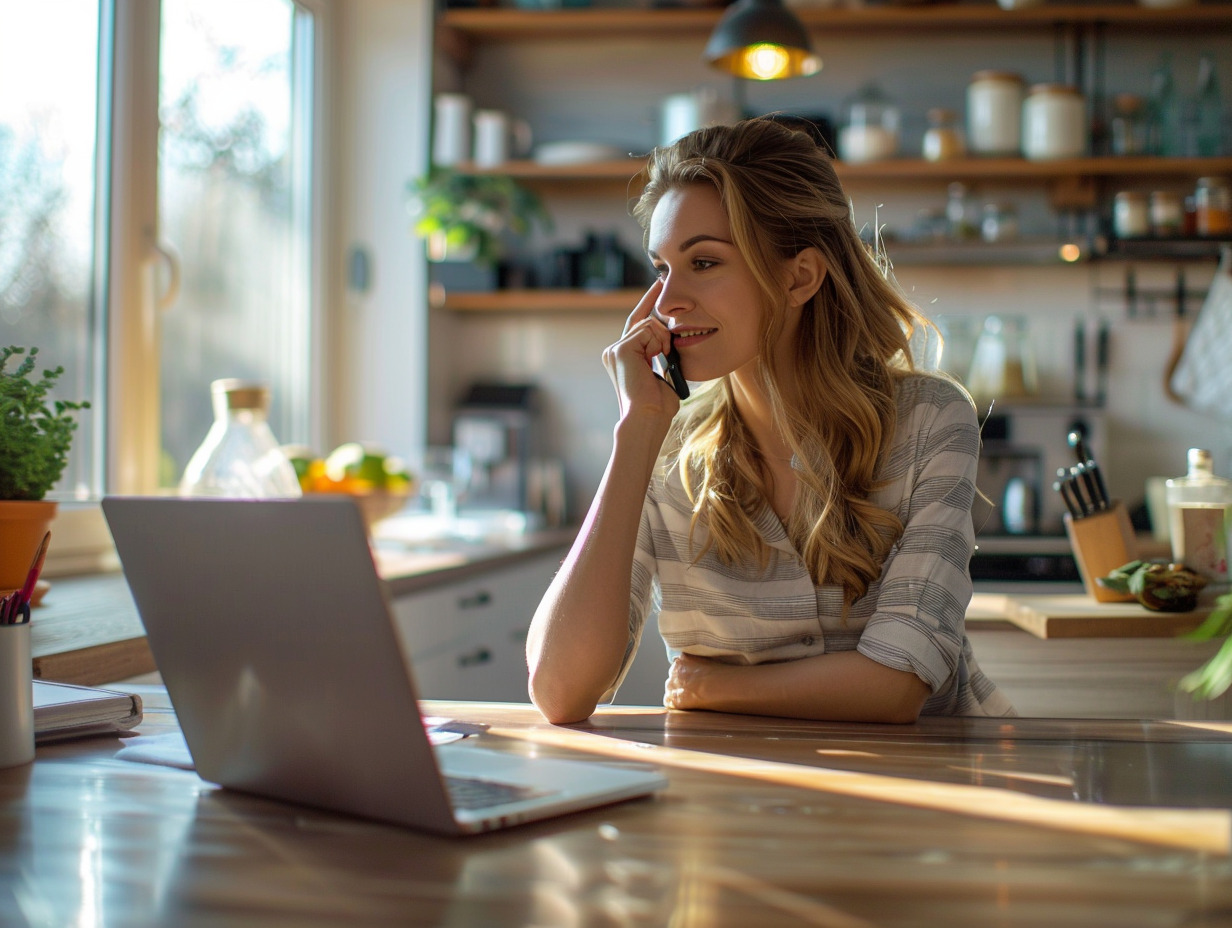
(1208, 111)
(1165, 112)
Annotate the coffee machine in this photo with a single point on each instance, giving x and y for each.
(497, 426)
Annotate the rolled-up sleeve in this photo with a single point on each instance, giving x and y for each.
(918, 624)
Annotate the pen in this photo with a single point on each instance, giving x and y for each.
(15, 608)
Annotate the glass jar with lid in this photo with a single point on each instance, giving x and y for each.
(1054, 122)
(871, 133)
(944, 138)
(994, 113)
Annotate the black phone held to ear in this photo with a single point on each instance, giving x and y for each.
(674, 376)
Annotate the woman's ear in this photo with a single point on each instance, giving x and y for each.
(805, 273)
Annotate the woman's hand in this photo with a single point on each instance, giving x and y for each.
(629, 361)
(686, 681)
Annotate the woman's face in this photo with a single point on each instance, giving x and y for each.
(710, 300)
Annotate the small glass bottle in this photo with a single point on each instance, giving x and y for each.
(1165, 112)
(1129, 129)
(240, 456)
(1199, 517)
(1208, 111)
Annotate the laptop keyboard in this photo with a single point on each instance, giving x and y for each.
(472, 793)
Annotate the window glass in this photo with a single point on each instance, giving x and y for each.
(233, 204)
(48, 105)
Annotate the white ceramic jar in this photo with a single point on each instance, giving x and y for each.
(994, 113)
(1054, 122)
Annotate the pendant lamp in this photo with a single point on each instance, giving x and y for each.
(761, 40)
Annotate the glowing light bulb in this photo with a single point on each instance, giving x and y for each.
(1070, 252)
(766, 62)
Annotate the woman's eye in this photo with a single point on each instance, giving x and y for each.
(702, 264)
(659, 271)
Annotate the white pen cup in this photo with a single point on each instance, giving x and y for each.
(16, 696)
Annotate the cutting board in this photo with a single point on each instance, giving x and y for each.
(1079, 616)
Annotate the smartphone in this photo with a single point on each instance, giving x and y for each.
(671, 364)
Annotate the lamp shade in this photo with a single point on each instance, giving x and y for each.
(762, 40)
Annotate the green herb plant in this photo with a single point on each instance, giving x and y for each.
(473, 211)
(34, 437)
(1212, 679)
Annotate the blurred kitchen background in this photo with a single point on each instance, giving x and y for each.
(286, 206)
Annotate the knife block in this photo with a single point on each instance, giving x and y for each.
(1102, 543)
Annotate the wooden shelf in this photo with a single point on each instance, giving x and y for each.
(900, 169)
(546, 301)
(511, 24)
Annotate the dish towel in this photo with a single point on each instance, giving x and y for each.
(1203, 376)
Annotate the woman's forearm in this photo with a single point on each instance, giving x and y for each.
(580, 631)
(841, 686)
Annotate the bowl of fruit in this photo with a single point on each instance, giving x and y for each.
(379, 482)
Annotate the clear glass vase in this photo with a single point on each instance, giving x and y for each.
(240, 456)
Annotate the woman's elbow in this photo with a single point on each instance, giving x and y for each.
(556, 706)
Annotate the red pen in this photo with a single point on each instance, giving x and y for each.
(27, 589)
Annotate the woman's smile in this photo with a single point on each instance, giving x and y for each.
(683, 338)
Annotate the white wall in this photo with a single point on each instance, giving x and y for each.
(380, 350)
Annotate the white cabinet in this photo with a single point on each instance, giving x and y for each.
(467, 640)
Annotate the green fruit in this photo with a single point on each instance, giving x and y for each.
(357, 462)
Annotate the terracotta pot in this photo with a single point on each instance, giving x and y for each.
(22, 526)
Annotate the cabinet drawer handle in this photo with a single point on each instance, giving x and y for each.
(475, 600)
(480, 655)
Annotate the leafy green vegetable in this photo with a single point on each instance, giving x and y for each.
(34, 437)
(1214, 677)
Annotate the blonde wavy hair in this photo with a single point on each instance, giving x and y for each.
(781, 195)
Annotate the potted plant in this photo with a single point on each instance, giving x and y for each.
(470, 217)
(34, 442)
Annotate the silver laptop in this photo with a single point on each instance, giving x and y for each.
(274, 637)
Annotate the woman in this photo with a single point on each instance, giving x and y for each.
(802, 525)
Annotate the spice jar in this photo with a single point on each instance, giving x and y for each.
(1213, 206)
(1053, 122)
(994, 113)
(944, 138)
(1167, 214)
(1131, 214)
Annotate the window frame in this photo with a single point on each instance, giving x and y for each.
(129, 260)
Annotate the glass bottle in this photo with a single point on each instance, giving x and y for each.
(1199, 516)
(1208, 111)
(1129, 129)
(958, 213)
(1165, 116)
(240, 456)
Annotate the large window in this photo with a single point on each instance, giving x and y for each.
(49, 65)
(156, 214)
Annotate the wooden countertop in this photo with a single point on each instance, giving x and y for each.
(1076, 615)
(765, 822)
